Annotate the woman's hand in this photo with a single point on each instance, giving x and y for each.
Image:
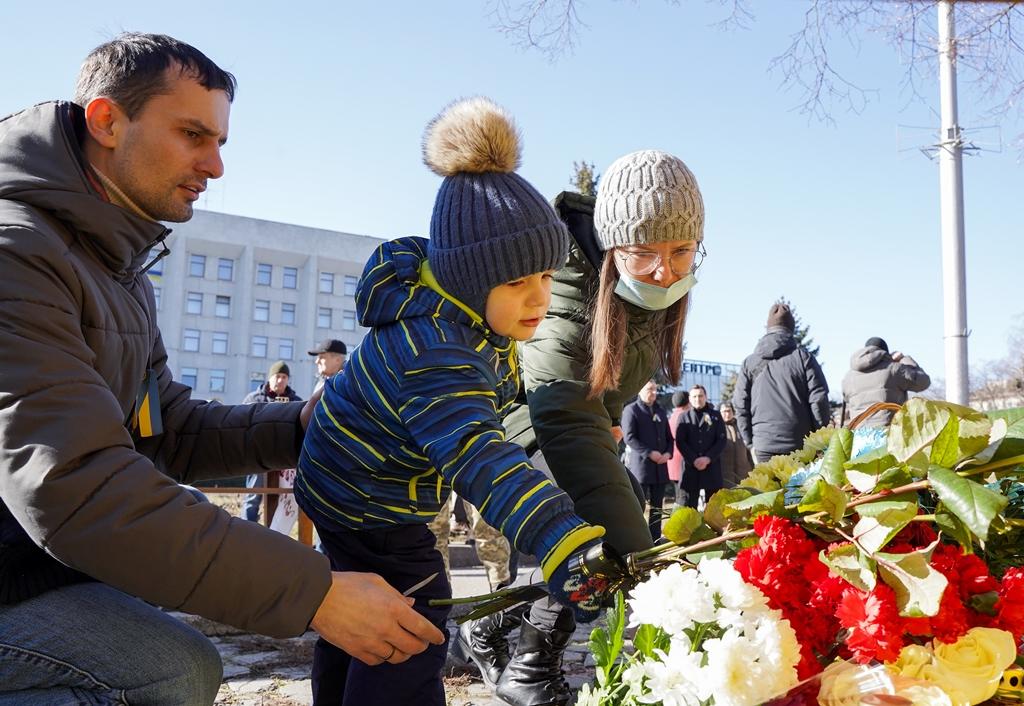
(307, 410)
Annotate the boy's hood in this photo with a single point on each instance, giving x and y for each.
(869, 358)
(775, 344)
(397, 285)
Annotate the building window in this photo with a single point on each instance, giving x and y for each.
(223, 306)
(259, 346)
(291, 278)
(350, 285)
(255, 380)
(261, 310)
(220, 343)
(217, 378)
(197, 266)
(225, 269)
(189, 376)
(348, 320)
(327, 283)
(191, 340)
(288, 314)
(323, 317)
(194, 303)
(264, 273)
(157, 292)
(286, 349)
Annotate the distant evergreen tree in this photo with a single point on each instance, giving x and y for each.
(584, 178)
(729, 387)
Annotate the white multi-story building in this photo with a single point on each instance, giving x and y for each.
(236, 294)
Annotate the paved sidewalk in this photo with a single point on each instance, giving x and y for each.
(260, 671)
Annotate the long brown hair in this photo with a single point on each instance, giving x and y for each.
(609, 323)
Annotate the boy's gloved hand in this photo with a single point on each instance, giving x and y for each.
(570, 584)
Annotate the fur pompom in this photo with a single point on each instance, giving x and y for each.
(473, 135)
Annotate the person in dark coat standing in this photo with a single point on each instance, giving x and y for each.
(736, 461)
(700, 438)
(781, 394)
(649, 447)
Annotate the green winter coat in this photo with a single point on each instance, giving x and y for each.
(574, 432)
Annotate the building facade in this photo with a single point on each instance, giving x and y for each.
(236, 294)
(712, 375)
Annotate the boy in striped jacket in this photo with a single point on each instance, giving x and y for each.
(418, 410)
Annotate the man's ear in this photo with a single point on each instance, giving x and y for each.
(105, 121)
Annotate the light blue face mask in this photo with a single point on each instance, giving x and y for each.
(652, 297)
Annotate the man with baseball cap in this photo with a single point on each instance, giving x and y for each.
(330, 358)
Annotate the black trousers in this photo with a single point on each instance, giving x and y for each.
(404, 556)
(709, 480)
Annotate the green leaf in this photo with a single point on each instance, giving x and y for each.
(600, 647)
(649, 638)
(984, 603)
(946, 449)
(1013, 442)
(848, 562)
(918, 586)
(972, 502)
(893, 478)
(952, 526)
(745, 510)
(863, 472)
(837, 454)
(881, 521)
(681, 525)
(822, 496)
(915, 426)
(718, 513)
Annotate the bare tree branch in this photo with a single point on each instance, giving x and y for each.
(989, 48)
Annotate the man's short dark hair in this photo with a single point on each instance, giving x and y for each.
(132, 68)
(699, 387)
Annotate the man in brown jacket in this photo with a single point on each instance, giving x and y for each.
(94, 432)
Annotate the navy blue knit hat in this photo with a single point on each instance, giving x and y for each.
(489, 225)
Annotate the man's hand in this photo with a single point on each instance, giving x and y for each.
(658, 457)
(307, 409)
(701, 462)
(372, 621)
(617, 434)
(897, 356)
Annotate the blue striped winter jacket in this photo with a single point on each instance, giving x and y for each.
(418, 411)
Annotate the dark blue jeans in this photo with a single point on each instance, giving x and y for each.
(404, 556)
(91, 644)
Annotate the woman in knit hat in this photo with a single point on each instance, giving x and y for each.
(418, 410)
(616, 319)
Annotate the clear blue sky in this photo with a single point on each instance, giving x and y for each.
(333, 98)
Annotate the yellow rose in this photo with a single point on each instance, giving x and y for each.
(973, 664)
(912, 661)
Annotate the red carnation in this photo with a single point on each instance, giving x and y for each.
(874, 624)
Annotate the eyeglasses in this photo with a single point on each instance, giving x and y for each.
(681, 262)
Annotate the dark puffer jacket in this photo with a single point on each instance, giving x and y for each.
(82, 496)
(781, 394)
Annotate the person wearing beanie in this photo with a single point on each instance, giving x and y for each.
(781, 394)
(876, 375)
(418, 412)
(618, 311)
(275, 389)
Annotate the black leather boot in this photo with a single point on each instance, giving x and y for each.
(534, 676)
(484, 642)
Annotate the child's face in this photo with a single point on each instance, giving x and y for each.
(516, 308)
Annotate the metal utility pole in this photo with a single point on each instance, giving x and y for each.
(951, 205)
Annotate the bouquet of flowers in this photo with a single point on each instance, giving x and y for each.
(883, 562)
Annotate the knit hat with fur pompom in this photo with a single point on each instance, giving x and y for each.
(489, 225)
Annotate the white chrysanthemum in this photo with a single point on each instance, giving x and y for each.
(672, 599)
(731, 670)
(676, 680)
(734, 594)
(778, 649)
